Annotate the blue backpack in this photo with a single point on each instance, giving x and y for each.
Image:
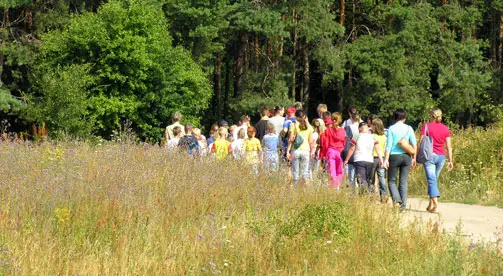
(190, 144)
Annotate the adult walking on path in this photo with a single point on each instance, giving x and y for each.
(175, 119)
(440, 135)
(400, 156)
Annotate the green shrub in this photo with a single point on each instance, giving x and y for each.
(326, 220)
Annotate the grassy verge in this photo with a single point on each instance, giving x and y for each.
(129, 210)
(478, 172)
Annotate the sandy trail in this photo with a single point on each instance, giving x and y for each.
(477, 222)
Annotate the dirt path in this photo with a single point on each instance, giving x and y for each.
(478, 222)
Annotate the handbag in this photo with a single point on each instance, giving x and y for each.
(298, 139)
(425, 152)
(405, 145)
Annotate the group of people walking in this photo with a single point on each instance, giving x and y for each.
(362, 150)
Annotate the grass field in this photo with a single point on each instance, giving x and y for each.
(123, 209)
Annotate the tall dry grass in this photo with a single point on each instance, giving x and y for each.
(121, 209)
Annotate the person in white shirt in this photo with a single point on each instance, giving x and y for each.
(363, 146)
(278, 120)
(352, 111)
(176, 119)
(245, 123)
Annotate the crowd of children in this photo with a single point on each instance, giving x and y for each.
(359, 149)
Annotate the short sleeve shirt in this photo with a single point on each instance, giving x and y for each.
(364, 143)
(221, 148)
(270, 142)
(252, 147)
(439, 133)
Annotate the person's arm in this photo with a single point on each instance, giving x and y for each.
(450, 165)
(310, 141)
(389, 146)
(291, 138)
(412, 139)
(350, 153)
(379, 154)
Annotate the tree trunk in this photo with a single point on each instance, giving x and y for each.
(342, 12)
(294, 55)
(256, 50)
(217, 82)
(227, 88)
(306, 74)
(238, 64)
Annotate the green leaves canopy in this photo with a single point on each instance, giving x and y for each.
(134, 72)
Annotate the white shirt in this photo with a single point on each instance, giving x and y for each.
(278, 122)
(364, 150)
(236, 131)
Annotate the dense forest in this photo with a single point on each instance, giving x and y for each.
(85, 67)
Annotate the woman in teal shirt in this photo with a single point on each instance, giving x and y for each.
(397, 161)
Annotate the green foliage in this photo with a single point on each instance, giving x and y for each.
(134, 73)
(258, 94)
(9, 104)
(319, 221)
(64, 101)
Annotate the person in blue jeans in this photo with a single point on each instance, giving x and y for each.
(396, 160)
(441, 137)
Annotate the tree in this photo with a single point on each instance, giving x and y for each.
(134, 72)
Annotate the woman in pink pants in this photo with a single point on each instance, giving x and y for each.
(332, 143)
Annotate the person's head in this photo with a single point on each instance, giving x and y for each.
(399, 115)
(223, 123)
(188, 129)
(222, 133)
(197, 133)
(232, 128)
(264, 111)
(356, 118)
(363, 127)
(177, 131)
(290, 112)
(378, 126)
(336, 119)
(251, 132)
(436, 115)
(241, 133)
(322, 108)
(270, 128)
(326, 114)
(176, 117)
(318, 126)
(371, 118)
(297, 105)
(302, 119)
(352, 110)
(214, 130)
(279, 110)
(244, 120)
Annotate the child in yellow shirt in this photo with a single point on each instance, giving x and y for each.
(221, 147)
(253, 149)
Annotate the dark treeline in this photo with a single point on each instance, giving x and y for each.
(85, 66)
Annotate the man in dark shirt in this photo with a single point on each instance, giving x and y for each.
(262, 124)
